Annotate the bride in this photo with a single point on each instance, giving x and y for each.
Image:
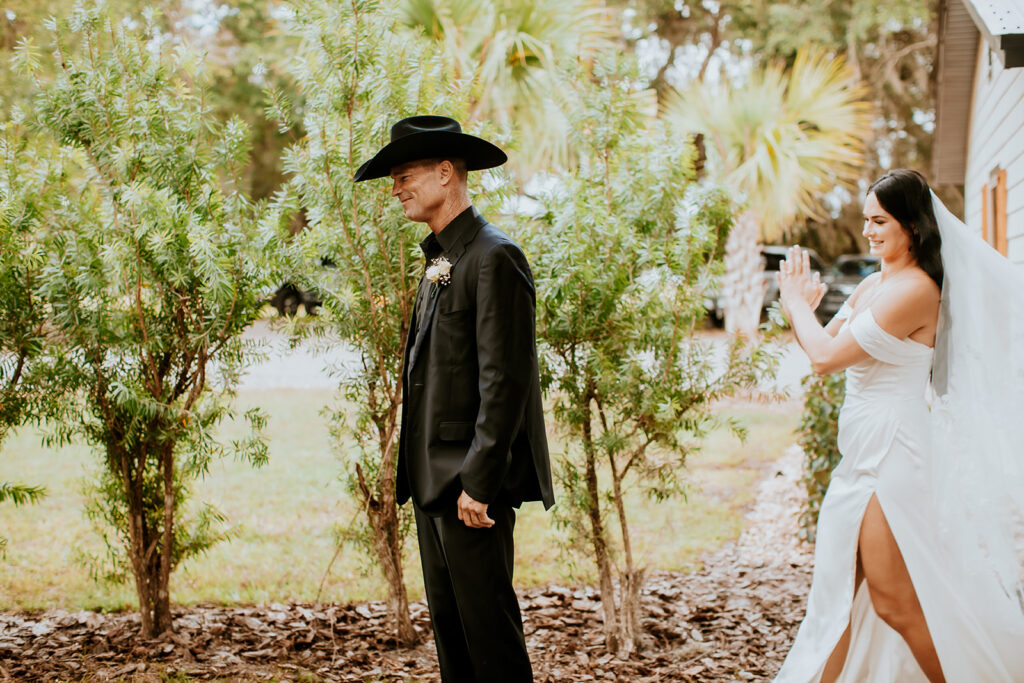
(917, 576)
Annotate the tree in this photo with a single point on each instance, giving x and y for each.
(359, 72)
(245, 57)
(623, 253)
(685, 32)
(29, 175)
(244, 48)
(153, 272)
(781, 140)
(890, 46)
(512, 49)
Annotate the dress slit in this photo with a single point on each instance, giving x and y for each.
(851, 608)
(914, 561)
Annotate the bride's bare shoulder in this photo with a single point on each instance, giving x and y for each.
(908, 304)
(922, 287)
(867, 283)
(912, 291)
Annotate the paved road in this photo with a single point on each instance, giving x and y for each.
(310, 366)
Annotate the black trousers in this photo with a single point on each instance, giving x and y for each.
(474, 611)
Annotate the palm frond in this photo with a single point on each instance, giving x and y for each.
(515, 50)
(785, 137)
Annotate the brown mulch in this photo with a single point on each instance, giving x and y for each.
(733, 620)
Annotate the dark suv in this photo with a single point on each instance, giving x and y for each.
(842, 278)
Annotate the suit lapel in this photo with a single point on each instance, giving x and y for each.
(423, 330)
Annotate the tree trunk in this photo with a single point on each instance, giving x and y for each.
(611, 617)
(137, 542)
(630, 580)
(162, 568)
(387, 543)
(743, 286)
(150, 587)
(150, 552)
(390, 554)
(143, 587)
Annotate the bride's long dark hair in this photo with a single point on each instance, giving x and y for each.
(905, 195)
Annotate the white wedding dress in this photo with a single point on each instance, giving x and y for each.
(885, 437)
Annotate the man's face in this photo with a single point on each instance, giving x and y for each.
(418, 185)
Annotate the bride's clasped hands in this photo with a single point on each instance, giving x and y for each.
(797, 282)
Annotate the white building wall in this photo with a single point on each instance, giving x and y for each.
(996, 141)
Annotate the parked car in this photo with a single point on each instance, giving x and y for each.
(772, 256)
(842, 278)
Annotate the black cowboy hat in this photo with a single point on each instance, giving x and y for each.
(430, 137)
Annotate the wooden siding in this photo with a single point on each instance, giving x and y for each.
(996, 143)
(1015, 210)
(955, 66)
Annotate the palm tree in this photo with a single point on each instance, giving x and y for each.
(513, 49)
(780, 140)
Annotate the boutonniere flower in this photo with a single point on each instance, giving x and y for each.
(439, 272)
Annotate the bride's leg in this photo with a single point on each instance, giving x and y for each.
(836, 660)
(892, 592)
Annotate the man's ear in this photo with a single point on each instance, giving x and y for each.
(446, 171)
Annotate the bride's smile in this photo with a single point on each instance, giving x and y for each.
(886, 237)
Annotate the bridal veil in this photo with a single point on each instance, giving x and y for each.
(978, 422)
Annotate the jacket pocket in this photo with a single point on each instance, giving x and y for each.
(457, 330)
(456, 431)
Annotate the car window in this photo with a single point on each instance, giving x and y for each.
(773, 259)
(857, 267)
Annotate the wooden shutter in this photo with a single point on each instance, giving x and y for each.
(986, 211)
(999, 214)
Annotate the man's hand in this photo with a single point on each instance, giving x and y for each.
(473, 514)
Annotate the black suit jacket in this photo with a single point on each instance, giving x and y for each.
(472, 416)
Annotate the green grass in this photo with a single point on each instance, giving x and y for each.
(285, 513)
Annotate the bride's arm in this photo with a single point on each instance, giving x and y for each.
(796, 294)
(835, 324)
(832, 326)
(828, 353)
(904, 310)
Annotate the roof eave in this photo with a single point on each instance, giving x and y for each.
(1002, 25)
(1012, 50)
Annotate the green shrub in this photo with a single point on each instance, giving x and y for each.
(819, 427)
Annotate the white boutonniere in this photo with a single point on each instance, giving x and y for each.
(439, 272)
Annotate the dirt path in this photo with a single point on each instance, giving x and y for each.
(731, 621)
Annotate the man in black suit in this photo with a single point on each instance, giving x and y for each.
(472, 446)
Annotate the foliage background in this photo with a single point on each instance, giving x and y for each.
(249, 55)
(816, 434)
